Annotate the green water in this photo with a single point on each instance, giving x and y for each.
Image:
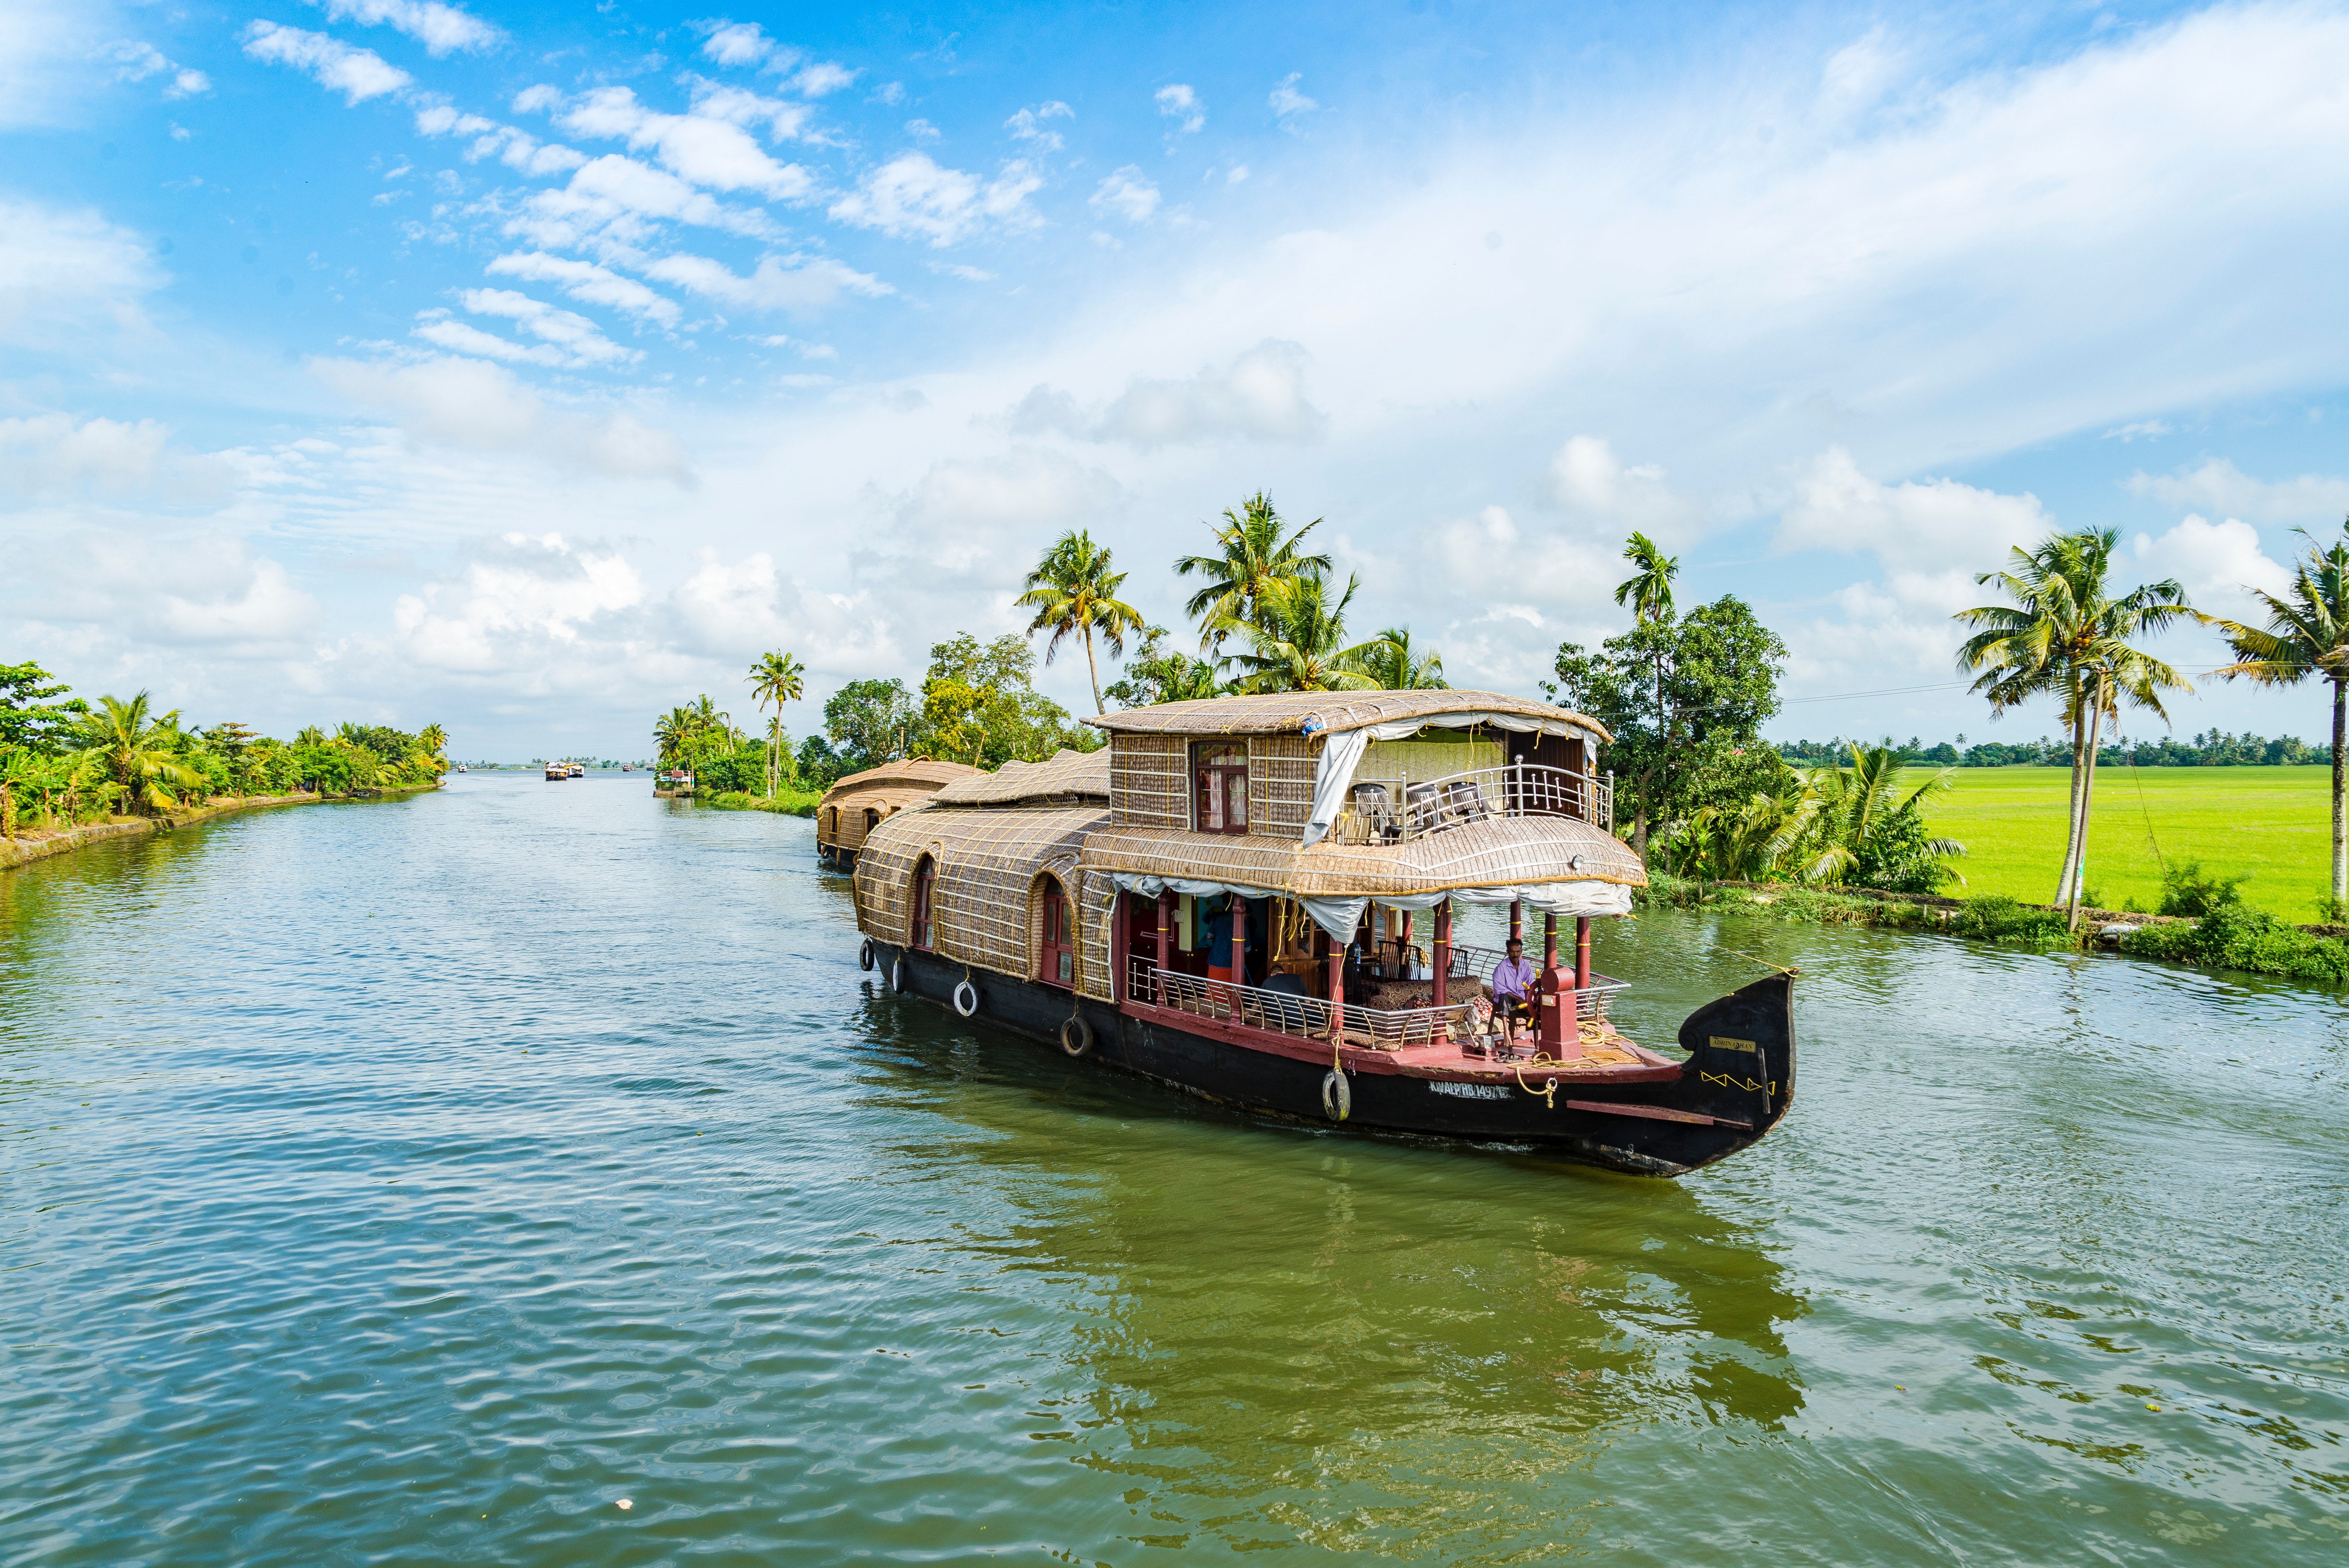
(409, 1182)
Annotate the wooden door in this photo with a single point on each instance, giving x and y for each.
(1058, 962)
(925, 877)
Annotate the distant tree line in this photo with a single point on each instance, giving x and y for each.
(2213, 748)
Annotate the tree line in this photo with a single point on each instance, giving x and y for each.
(65, 760)
(2213, 748)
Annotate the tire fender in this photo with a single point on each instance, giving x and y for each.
(865, 957)
(897, 977)
(1337, 1095)
(966, 998)
(1076, 1034)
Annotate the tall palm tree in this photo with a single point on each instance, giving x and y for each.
(2065, 635)
(1395, 665)
(673, 732)
(127, 738)
(1648, 590)
(1254, 552)
(1074, 594)
(776, 678)
(2307, 634)
(1299, 640)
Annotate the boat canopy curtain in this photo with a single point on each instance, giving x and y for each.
(1342, 752)
(1342, 916)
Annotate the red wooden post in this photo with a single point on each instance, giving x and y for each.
(1165, 947)
(1239, 940)
(1337, 992)
(1442, 952)
(1582, 952)
(1557, 1030)
(1516, 919)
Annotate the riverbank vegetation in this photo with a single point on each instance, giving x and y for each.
(67, 760)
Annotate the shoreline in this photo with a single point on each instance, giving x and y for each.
(27, 847)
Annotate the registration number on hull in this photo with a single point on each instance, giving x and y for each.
(1470, 1090)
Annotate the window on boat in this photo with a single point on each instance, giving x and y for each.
(1219, 802)
(1058, 963)
(924, 879)
(872, 819)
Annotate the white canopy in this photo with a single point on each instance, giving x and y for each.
(1342, 753)
(1342, 916)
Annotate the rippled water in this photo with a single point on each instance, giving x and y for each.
(413, 1181)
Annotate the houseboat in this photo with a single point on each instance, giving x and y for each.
(674, 781)
(1251, 899)
(556, 772)
(578, 771)
(858, 803)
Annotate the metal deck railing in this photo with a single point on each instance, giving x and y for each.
(1308, 1018)
(1390, 812)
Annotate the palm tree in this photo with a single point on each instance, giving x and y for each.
(1861, 810)
(1254, 554)
(1395, 665)
(1074, 594)
(126, 739)
(2307, 634)
(1649, 592)
(2065, 635)
(672, 733)
(776, 678)
(1298, 639)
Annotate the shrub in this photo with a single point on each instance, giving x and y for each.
(2185, 890)
(1997, 918)
(2234, 937)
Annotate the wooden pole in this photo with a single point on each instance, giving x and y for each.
(1166, 945)
(1442, 952)
(1556, 1029)
(1516, 919)
(1337, 992)
(1582, 952)
(1240, 939)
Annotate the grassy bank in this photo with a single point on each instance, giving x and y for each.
(786, 803)
(2235, 937)
(2270, 826)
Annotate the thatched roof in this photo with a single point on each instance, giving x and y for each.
(1506, 852)
(920, 775)
(1069, 775)
(1319, 712)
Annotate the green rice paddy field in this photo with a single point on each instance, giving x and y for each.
(2268, 825)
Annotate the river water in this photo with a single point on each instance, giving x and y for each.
(413, 1181)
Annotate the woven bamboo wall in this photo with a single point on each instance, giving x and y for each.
(983, 911)
(1150, 780)
(1281, 785)
(1097, 899)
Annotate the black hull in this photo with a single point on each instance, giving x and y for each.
(1744, 1086)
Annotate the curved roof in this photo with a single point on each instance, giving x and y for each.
(1506, 853)
(1067, 776)
(1314, 712)
(920, 774)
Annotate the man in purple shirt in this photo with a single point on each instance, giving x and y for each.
(1512, 987)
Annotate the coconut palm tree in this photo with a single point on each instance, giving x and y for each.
(2307, 634)
(1648, 590)
(776, 678)
(1074, 594)
(1299, 640)
(673, 732)
(128, 741)
(2065, 635)
(1863, 816)
(1395, 665)
(1254, 552)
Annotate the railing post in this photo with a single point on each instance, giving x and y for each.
(1444, 953)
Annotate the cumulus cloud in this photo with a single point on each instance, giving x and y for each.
(1028, 125)
(1287, 102)
(1936, 526)
(1129, 193)
(2221, 486)
(821, 78)
(439, 29)
(739, 106)
(185, 590)
(710, 150)
(1587, 479)
(565, 338)
(911, 197)
(1181, 105)
(54, 454)
(800, 285)
(965, 523)
(467, 403)
(2216, 562)
(64, 275)
(135, 62)
(518, 149)
(1260, 396)
(736, 43)
(521, 599)
(591, 284)
(357, 74)
(618, 198)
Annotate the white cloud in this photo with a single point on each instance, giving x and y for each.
(136, 61)
(1260, 396)
(911, 196)
(800, 285)
(439, 29)
(44, 61)
(2216, 563)
(1129, 193)
(967, 525)
(710, 150)
(586, 282)
(356, 74)
(1587, 479)
(1287, 101)
(617, 197)
(64, 275)
(577, 337)
(1181, 105)
(739, 106)
(517, 149)
(956, 270)
(823, 77)
(2221, 486)
(2139, 429)
(51, 452)
(1936, 526)
(522, 599)
(187, 84)
(1028, 125)
(738, 44)
(469, 404)
(922, 131)
(184, 590)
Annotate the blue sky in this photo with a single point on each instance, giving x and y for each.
(534, 368)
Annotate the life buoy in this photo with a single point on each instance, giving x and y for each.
(897, 977)
(864, 956)
(1076, 1034)
(1337, 1098)
(966, 998)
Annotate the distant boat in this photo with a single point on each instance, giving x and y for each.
(577, 771)
(557, 773)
